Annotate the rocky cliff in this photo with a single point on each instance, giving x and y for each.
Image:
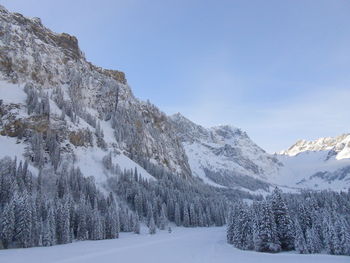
(85, 95)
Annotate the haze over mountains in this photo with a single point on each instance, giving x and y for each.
(93, 112)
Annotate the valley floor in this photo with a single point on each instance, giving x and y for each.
(202, 245)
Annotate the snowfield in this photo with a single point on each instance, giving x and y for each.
(185, 245)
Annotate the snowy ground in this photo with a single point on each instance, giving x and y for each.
(200, 245)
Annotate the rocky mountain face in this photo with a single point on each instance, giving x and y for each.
(84, 100)
(225, 155)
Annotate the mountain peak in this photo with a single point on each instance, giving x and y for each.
(340, 145)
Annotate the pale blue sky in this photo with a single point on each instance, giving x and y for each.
(279, 69)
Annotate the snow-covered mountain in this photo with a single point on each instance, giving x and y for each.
(49, 90)
(225, 155)
(320, 164)
(91, 110)
(335, 146)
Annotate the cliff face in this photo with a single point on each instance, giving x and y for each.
(54, 66)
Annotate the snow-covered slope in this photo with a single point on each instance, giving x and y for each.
(320, 164)
(92, 110)
(225, 155)
(336, 146)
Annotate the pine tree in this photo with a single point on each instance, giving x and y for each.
(163, 219)
(265, 236)
(136, 226)
(186, 216)
(177, 215)
(284, 224)
(97, 232)
(231, 226)
(152, 226)
(329, 234)
(340, 240)
(149, 214)
(52, 224)
(299, 240)
(7, 224)
(138, 204)
(62, 222)
(193, 216)
(313, 241)
(112, 228)
(7, 184)
(23, 220)
(82, 231)
(47, 234)
(36, 232)
(242, 228)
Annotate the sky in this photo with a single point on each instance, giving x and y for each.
(279, 70)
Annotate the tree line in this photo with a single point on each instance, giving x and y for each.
(51, 209)
(170, 198)
(309, 222)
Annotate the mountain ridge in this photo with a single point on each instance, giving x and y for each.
(339, 145)
(93, 112)
(224, 155)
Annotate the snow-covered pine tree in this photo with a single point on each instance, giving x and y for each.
(299, 240)
(149, 213)
(136, 224)
(177, 216)
(186, 216)
(231, 225)
(96, 223)
(341, 242)
(313, 242)
(7, 224)
(8, 184)
(193, 216)
(82, 230)
(243, 228)
(138, 204)
(62, 222)
(51, 223)
(284, 224)
(163, 218)
(152, 226)
(265, 236)
(23, 219)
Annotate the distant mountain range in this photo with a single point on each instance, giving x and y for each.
(338, 146)
(226, 156)
(320, 164)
